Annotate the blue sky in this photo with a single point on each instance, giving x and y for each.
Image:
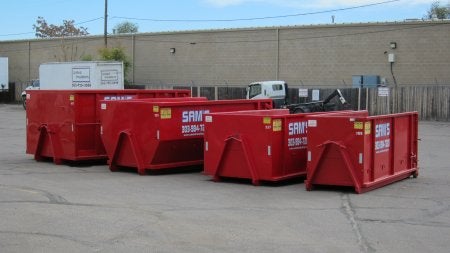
(18, 16)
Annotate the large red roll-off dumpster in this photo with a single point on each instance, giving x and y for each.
(65, 124)
(258, 145)
(362, 152)
(151, 135)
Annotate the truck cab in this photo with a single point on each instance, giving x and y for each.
(34, 85)
(276, 90)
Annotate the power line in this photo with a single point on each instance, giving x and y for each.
(90, 20)
(255, 18)
(25, 33)
(222, 20)
(15, 34)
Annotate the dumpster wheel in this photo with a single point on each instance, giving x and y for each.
(415, 174)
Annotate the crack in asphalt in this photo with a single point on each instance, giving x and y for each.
(408, 222)
(52, 198)
(64, 237)
(349, 212)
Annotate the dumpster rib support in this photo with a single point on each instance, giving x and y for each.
(249, 161)
(344, 154)
(43, 131)
(137, 156)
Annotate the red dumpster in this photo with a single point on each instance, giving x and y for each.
(150, 135)
(362, 152)
(257, 145)
(65, 124)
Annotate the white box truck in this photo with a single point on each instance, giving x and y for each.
(4, 74)
(83, 75)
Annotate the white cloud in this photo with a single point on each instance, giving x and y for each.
(317, 4)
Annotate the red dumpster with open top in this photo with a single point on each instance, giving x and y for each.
(65, 124)
(152, 135)
(362, 152)
(258, 145)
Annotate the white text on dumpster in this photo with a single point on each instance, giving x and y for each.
(190, 117)
(382, 137)
(193, 116)
(297, 135)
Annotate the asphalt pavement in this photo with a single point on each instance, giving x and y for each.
(61, 208)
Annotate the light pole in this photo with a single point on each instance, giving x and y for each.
(105, 35)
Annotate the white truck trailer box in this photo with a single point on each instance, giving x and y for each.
(81, 75)
(4, 74)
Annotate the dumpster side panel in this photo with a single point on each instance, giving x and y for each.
(86, 125)
(167, 134)
(255, 145)
(406, 132)
(295, 143)
(181, 128)
(238, 147)
(333, 160)
(49, 124)
(276, 144)
(120, 123)
(65, 124)
(363, 152)
(382, 137)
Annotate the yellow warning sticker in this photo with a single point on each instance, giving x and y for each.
(358, 125)
(367, 128)
(266, 120)
(276, 125)
(166, 113)
(71, 98)
(156, 108)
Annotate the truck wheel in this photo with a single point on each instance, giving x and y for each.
(24, 103)
(301, 110)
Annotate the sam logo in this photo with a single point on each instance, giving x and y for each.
(297, 127)
(118, 97)
(193, 116)
(382, 130)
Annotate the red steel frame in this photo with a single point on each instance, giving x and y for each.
(251, 145)
(65, 124)
(342, 154)
(146, 140)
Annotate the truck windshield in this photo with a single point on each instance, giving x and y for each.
(35, 83)
(254, 90)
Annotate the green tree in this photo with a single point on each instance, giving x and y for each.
(67, 29)
(441, 12)
(87, 57)
(116, 54)
(125, 27)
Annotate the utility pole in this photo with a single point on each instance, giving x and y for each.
(106, 24)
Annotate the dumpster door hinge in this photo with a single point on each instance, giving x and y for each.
(309, 156)
(360, 158)
(206, 146)
(269, 150)
(157, 134)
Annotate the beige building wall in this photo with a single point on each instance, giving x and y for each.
(311, 56)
